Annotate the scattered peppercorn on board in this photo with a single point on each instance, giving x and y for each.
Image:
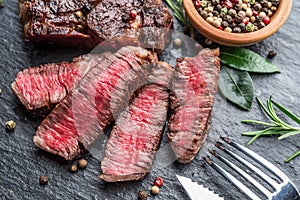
(22, 164)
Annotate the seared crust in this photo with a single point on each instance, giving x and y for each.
(86, 23)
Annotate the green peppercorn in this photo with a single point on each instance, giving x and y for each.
(251, 1)
(203, 4)
(10, 125)
(250, 27)
(224, 10)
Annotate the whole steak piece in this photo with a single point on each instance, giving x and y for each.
(41, 88)
(100, 96)
(135, 138)
(86, 23)
(194, 84)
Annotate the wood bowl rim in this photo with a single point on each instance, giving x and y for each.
(238, 39)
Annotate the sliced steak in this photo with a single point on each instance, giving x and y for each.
(194, 84)
(86, 23)
(135, 138)
(41, 88)
(85, 113)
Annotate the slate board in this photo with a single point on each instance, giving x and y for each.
(21, 163)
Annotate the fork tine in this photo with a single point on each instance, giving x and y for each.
(232, 179)
(260, 173)
(242, 173)
(269, 166)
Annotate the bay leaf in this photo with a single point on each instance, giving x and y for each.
(237, 87)
(247, 60)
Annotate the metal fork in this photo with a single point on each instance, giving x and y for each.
(283, 188)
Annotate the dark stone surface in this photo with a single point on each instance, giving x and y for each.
(21, 163)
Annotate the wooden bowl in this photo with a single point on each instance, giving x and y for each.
(238, 39)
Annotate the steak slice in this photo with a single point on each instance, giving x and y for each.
(135, 138)
(41, 88)
(86, 23)
(195, 82)
(85, 113)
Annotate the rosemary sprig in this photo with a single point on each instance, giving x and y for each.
(276, 126)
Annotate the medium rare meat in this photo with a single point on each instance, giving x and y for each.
(135, 138)
(194, 84)
(86, 112)
(88, 22)
(41, 88)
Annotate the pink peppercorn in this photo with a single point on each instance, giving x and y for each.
(133, 14)
(267, 20)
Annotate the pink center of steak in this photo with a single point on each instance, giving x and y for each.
(135, 137)
(43, 87)
(46, 85)
(81, 117)
(193, 88)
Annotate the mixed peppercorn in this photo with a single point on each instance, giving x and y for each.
(238, 16)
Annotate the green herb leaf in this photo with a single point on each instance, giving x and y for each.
(237, 87)
(277, 127)
(292, 157)
(247, 60)
(291, 133)
(287, 112)
(178, 10)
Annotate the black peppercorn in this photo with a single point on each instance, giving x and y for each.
(86, 9)
(237, 29)
(223, 16)
(142, 195)
(43, 180)
(238, 19)
(242, 27)
(237, 7)
(204, 14)
(232, 25)
(215, 13)
(232, 12)
(215, 2)
(275, 2)
(218, 8)
(224, 24)
(257, 6)
(229, 19)
(125, 17)
(259, 18)
(261, 25)
(265, 10)
(272, 54)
